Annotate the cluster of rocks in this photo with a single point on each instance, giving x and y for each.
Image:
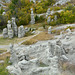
(27, 59)
(48, 13)
(12, 30)
(61, 2)
(50, 20)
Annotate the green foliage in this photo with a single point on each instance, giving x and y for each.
(53, 23)
(1, 11)
(39, 19)
(3, 66)
(15, 1)
(66, 17)
(57, 8)
(24, 18)
(3, 21)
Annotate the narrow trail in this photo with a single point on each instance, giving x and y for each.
(7, 46)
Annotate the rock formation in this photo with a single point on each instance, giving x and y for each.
(49, 30)
(48, 12)
(32, 17)
(49, 20)
(14, 27)
(5, 33)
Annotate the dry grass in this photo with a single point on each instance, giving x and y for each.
(15, 40)
(3, 57)
(67, 68)
(39, 37)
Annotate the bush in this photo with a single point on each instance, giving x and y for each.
(3, 21)
(1, 11)
(66, 17)
(39, 19)
(23, 18)
(53, 23)
(57, 8)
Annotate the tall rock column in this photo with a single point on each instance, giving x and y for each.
(5, 33)
(32, 17)
(10, 31)
(48, 12)
(14, 26)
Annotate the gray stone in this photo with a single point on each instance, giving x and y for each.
(55, 17)
(10, 31)
(21, 32)
(14, 27)
(48, 12)
(26, 29)
(5, 33)
(14, 70)
(49, 20)
(13, 58)
(32, 17)
(49, 30)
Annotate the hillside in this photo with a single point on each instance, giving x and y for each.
(37, 37)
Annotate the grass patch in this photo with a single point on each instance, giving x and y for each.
(7, 41)
(5, 58)
(1, 51)
(40, 37)
(43, 65)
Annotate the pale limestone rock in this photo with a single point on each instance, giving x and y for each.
(55, 17)
(10, 31)
(48, 12)
(49, 20)
(32, 17)
(14, 27)
(13, 58)
(5, 33)
(49, 30)
(21, 32)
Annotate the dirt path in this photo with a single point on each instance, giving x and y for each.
(7, 46)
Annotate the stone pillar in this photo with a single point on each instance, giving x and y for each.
(49, 20)
(48, 12)
(10, 31)
(32, 17)
(13, 58)
(49, 30)
(52, 12)
(14, 27)
(21, 32)
(5, 33)
(55, 17)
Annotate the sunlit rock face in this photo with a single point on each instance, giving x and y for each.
(43, 57)
(61, 2)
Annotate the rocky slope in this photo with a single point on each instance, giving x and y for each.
(29, 59)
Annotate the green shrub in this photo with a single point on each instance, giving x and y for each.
(23, 18)
(3, 21)
(39, 19)
(1, 11)
(3, 66)
(57, 8)
(53, 23)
